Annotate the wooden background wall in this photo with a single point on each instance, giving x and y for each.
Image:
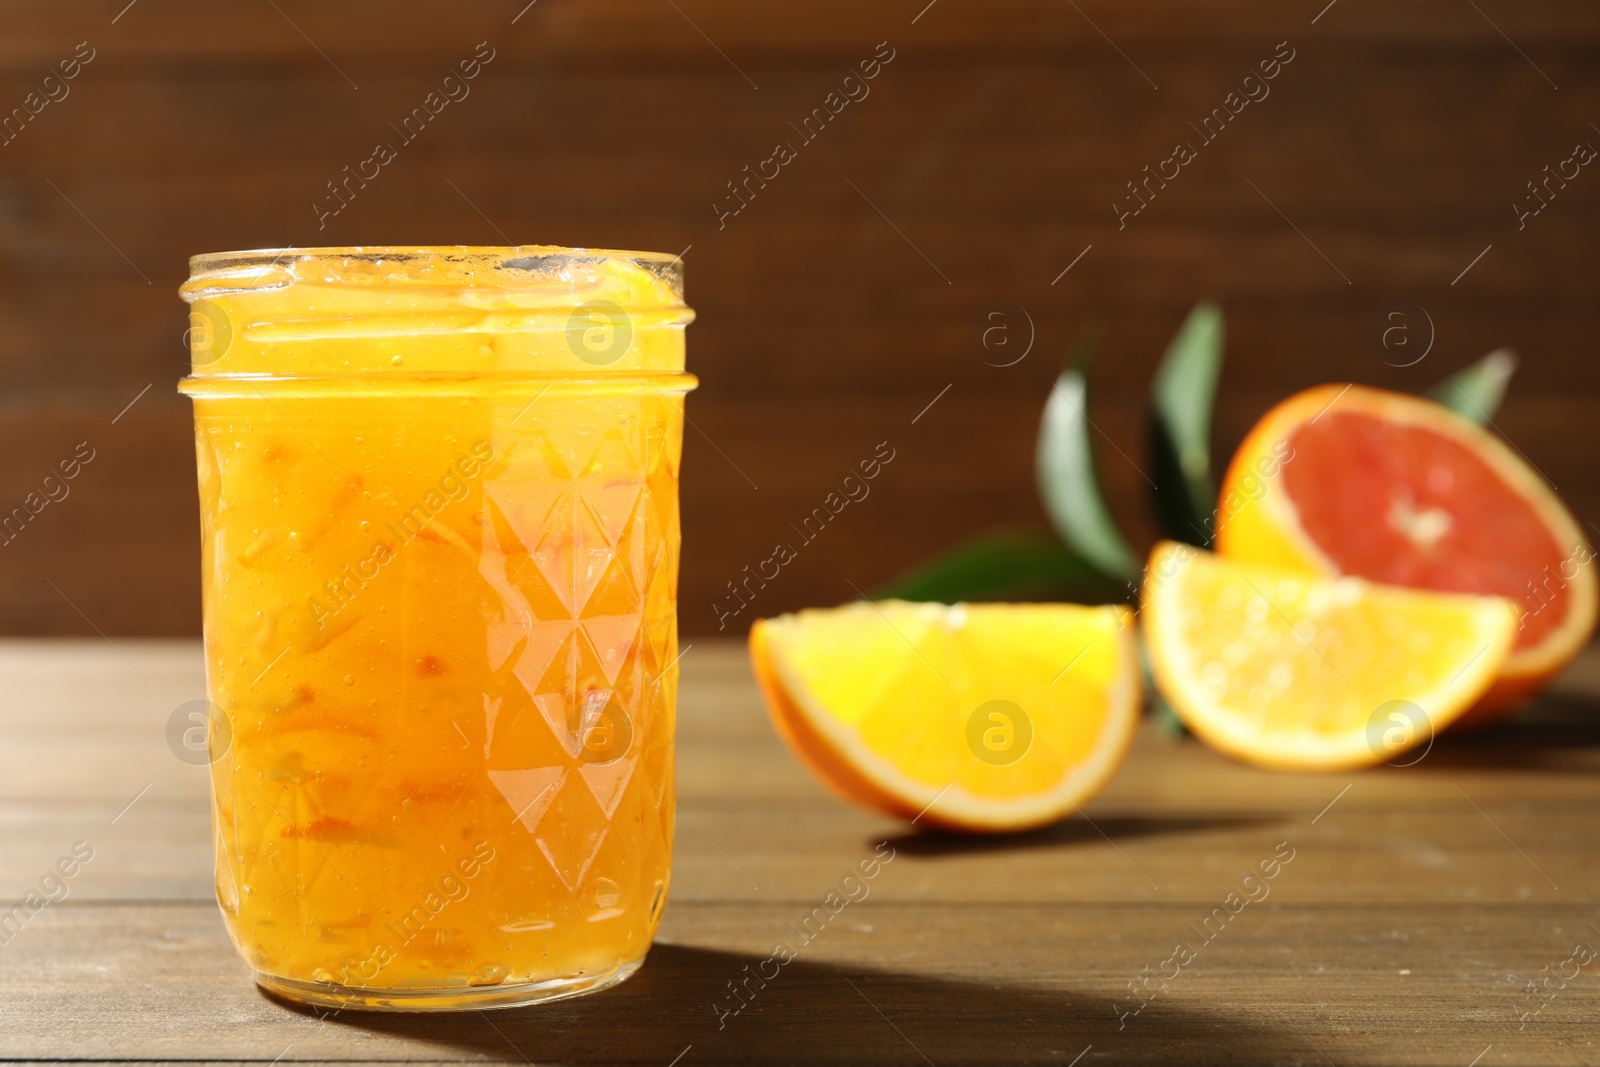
(996, 141)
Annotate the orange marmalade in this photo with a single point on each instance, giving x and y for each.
(438, 493)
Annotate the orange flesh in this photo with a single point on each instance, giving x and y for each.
(380, 765)
(879, 701)
(1442, 518)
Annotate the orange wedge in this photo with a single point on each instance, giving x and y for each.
(1399, 489)
(981, 717)
(1291, 670)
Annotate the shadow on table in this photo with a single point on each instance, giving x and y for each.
(1071, 832)
(1557, 732)
(818, 1013)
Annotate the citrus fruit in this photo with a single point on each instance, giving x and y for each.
(982, 717)
(1297, 671)
(1399, 489)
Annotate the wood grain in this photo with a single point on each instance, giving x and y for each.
(988, 155)
(1418, 905)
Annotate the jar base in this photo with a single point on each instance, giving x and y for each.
(448, 998)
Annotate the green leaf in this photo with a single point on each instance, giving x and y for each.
(1168, 725)
(1476, 391)
(1005, 564)
(1182, 398)
(1065, 467)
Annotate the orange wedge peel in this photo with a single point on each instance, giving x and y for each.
(1291, 670)
(975, 717)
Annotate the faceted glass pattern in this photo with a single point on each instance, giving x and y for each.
(443, 629)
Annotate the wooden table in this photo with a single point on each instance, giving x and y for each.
(1417, 907)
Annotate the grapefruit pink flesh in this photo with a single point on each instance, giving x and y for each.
(1438, 516)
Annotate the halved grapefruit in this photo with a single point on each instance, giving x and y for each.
(1344, 479)
(983, 717)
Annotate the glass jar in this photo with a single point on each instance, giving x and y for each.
(439, 504)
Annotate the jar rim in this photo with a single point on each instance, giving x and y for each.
(551, 269)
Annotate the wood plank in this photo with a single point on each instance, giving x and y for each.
(997, 140)
(753, 818)
(367, 31)
(1404, 929)
(87, 721)
(1392, 983)
(1435, 849)
(138, 495)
